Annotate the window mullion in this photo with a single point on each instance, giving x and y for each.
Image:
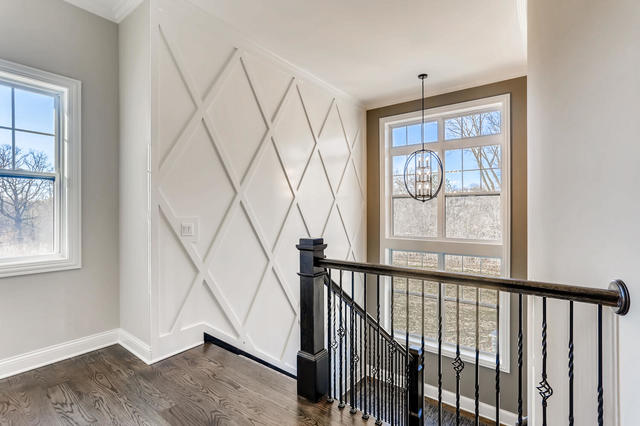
(475, 141)
(440, 217)
(13, 129)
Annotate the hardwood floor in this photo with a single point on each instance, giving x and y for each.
(206, 385)
(203, 386)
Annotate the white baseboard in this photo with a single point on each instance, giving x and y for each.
(487, 411)
(134, 345)
(41, 357)
(177, 351)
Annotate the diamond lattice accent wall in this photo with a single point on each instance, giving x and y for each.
(260, 155)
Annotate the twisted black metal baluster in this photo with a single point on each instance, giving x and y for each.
(365, 412)
(387, 393)
(458, 364)
(385, 378)
(399, 368)
(334, 347)
(399, 388)
(392, 385)
(520, 360)
(361, 364)
(378, 347)
(600, 394)
(392, 381)
(498, 358)
(353, 347)
(394, 388)
(329, 335)
(440, 353)
(341, 334)
(477, 383)
(543, 387)
(571, 420)
(372, 371)
(406, 391)
(422, 364)
(383, 382)
(406, 359)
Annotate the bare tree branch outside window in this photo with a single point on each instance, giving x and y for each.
(25, 203)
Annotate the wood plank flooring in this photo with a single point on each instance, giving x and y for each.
(206, 385)
(203, 386)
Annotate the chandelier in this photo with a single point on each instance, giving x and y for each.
(423, 172)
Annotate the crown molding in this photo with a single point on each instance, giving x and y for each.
(113, 10)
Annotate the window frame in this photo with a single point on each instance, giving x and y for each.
(440, 243)
(66, 175)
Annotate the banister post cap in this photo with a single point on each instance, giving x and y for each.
(624, 299)
(311, 244)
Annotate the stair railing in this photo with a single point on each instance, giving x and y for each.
(360, 364)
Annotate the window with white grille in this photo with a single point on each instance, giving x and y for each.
(39, 171)
(465, 229)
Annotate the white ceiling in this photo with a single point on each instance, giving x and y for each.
(113, 10)
(374, 49)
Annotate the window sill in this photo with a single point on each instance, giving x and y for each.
(39, 264)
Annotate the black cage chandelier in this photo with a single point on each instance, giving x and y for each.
(423, 172)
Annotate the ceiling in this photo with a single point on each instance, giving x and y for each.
(113, 10)
(374, 49)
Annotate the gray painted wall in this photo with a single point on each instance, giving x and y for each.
(45, 309)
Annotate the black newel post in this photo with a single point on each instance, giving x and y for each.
(416, 387)
(312, 358)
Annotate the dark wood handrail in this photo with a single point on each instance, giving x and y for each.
(616, 296)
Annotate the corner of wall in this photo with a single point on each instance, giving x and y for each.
(135, 139)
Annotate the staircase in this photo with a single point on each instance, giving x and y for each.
(350, 356)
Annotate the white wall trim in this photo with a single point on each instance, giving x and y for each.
(54, 353)
(112, 10)
(134, 345)
(184, 348)
(487, 411)
(123, 8)
(51, 354)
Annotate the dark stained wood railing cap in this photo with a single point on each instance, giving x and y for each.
(617, 296)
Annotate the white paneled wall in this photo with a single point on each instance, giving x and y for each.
(256, 154)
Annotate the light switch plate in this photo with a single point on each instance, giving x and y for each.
(189, 228)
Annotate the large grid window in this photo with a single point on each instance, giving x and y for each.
(39, 171)
(465, 229)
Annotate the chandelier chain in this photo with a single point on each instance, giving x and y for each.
(422, 126)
